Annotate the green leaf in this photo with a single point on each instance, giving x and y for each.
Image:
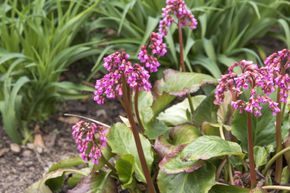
(176, 114)
(155, 128)
(228, 189)
(161, 102)
(40, 186)
(100, 182)
(121, 141)
(180, 83)
(178, 138)
(285, 26)
(66, 163)
(184, 134)
(125, 169)
(263, 128)
(145, 101)
(199, 181)
(206, 111)
(193, 155)
(209, 49)
(261, 154)
(10, 107)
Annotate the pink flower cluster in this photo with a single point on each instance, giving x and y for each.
(120, 71)
(90, 140)
(157, 46)
(249, 79)
(177, 8)
(276, 72)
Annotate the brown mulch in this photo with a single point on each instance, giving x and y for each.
(20, 169)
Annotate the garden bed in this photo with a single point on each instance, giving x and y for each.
(21, 166)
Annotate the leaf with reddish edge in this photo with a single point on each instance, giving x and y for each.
(181, 83)
(165, 149)
(193, 155)
(179, 137)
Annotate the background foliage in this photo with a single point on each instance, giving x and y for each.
(40, 39)
(38, 43)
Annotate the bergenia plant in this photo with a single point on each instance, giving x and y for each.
(162, 147)
(124, 80)
(250, 79)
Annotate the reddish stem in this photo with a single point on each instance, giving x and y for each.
(251, 151)
(278, 137)
(181, 59)
(136, 97)
(278, 132)
(128, 109)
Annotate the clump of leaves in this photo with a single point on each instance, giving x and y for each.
(37, 46)
(198, 145)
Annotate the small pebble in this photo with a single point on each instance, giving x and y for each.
(15, 148)
(3, 151)
(26, 153)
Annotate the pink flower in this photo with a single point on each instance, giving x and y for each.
(178, 9)
(120, 70)
(249, 79)
(113, 61)
(90, 140)
(138, 77)
(151, 63)
(173, 8)
(275, 74)
(157, 46)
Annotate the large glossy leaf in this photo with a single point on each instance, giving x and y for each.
(177, 114)
(199, 181)
(121, 141)
(263, 128)
(180, 83)
(193, 155)
(178, 138)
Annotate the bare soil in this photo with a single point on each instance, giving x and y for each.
(21, 166)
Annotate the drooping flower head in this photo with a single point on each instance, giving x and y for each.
(174, 8)
(157, 45)
(249, 79)
(90, 140)
(276, 71)
(150, 62)
(121, 71)
(178, 9)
